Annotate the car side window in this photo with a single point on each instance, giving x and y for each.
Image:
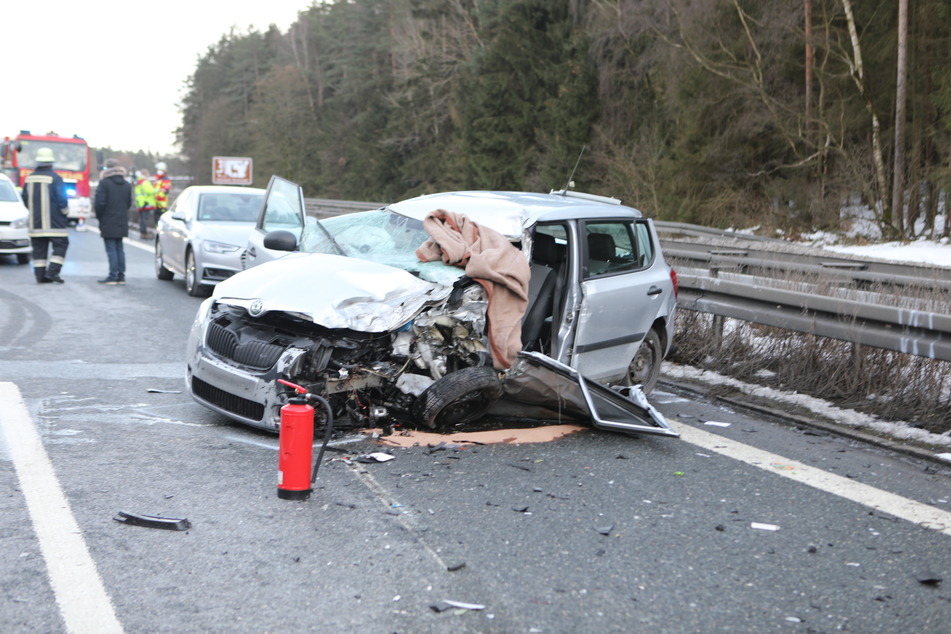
(644, 246)
(179, 204)
(611, 247)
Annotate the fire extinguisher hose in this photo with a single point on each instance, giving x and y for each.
(327, 434)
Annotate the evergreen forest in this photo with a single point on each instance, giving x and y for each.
(718, 112)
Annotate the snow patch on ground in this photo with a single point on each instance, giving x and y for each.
(894, 429)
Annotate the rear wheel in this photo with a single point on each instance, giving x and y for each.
(645, 366)
(23, 258)
(160, 271)
(458, 397)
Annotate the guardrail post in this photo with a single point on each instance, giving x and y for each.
(718, 332)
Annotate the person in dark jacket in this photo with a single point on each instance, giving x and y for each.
(44, 194)
(113, 201)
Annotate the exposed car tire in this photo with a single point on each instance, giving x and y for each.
(194, 287)
(160, 271)
(459, 397)
(23, 258)
(644, 369)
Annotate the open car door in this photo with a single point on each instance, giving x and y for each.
(537, 386)
(283, 208)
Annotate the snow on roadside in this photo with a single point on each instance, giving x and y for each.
(922, 251)
(895, 429)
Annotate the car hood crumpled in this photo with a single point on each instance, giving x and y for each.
(332, 291)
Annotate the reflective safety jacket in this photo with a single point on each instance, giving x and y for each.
(162, 186)
(144, 195)
(44, 194)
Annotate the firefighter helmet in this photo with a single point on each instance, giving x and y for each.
(160, 166)
(45, 155)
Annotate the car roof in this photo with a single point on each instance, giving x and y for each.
(511, 213)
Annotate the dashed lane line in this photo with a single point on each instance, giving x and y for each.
(916, 512)
(83, 601)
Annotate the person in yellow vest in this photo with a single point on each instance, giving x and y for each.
(162, 186)
(144, 201)
(44, 194)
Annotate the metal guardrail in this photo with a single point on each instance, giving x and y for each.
(325, 208)
(727, 250)
(921, 333)
(722, 288)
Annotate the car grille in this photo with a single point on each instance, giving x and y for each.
(228, 402)
(254, 354)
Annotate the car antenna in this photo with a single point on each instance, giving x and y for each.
(570, 182)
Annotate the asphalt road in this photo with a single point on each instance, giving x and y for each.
(593, 532)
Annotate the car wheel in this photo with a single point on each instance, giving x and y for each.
(23, 258)
(458, 397)
(645, 366)
(192, 285)
(160, 271)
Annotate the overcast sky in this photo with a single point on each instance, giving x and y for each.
(129, 100)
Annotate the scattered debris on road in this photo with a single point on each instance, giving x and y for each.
(153, 521)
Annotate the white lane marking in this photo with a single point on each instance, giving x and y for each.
(916, 512)
(83, 601)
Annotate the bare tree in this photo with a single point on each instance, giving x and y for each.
(898, 168)
(857, 70)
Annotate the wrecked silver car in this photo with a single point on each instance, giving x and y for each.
(442, 309)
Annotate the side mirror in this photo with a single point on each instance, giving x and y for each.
(178, 215)
(280, 240)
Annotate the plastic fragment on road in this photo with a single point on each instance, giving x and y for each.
(155, 390)
(928, 578)
(605, 530)
(764, 527)
(445, 604)
(153, 521)
(714, 423)
(376, 456)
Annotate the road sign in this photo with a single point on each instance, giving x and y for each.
(231, 170)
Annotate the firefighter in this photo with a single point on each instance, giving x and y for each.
(44, 194)
(162, 186)
(144, 201)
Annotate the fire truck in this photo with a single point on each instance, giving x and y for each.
(17, 160)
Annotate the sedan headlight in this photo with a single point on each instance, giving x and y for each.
(19, 223)
(219, 247)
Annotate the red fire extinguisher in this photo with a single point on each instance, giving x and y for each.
(296, 444)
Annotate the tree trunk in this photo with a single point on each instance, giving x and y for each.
(898, 167)
(878, 156)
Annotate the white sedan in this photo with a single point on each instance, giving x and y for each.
(203, 234)
(14, 239)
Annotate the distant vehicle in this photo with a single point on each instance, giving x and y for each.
(14, 239)
(354, 316)
(17, 156)
(204, 233)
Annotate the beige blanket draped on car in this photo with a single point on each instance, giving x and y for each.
(490, 259)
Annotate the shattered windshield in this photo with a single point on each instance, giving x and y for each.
(380, 236)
